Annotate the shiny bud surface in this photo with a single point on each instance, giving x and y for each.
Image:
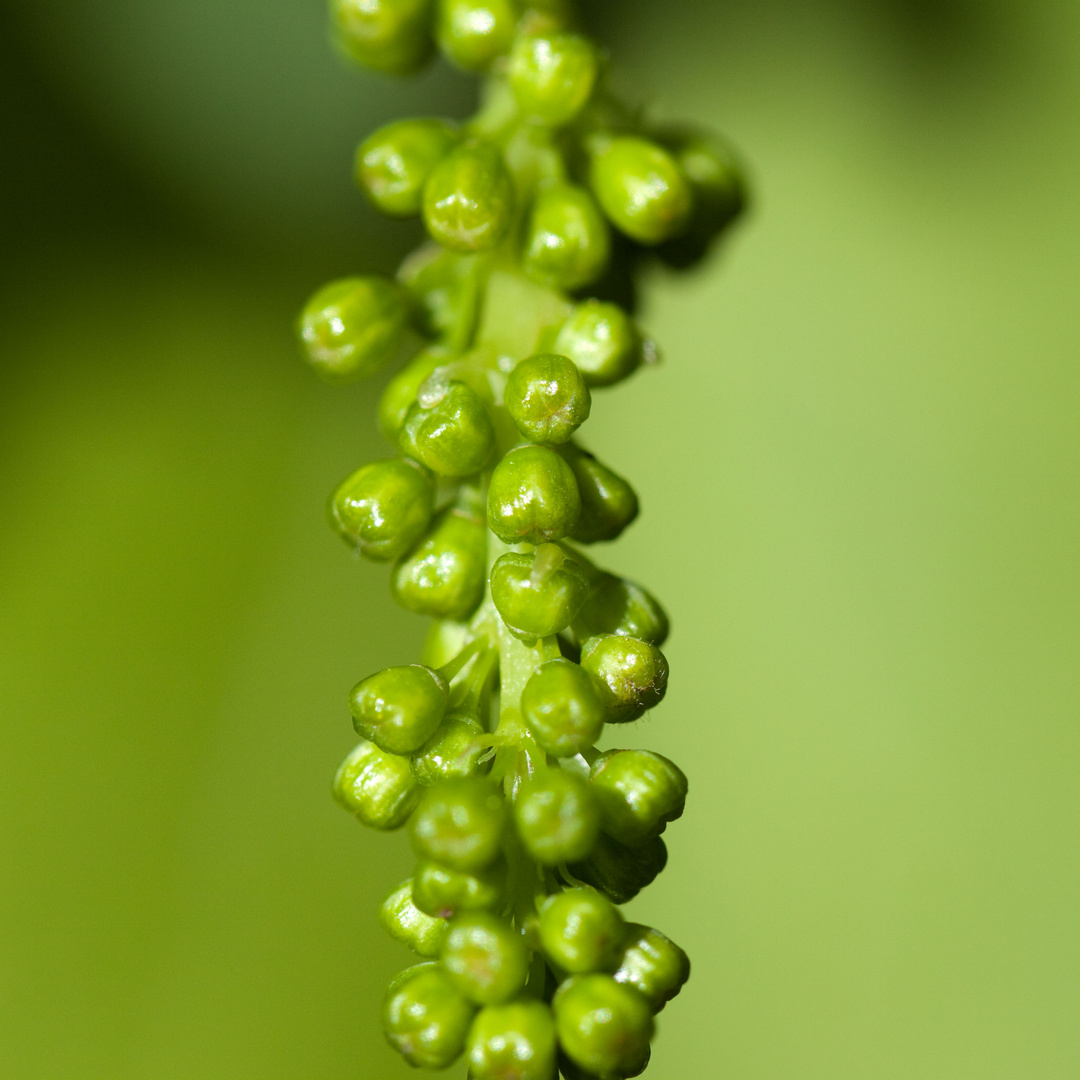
(353, 327)
(621, 872)
(567, 242)
(547, 398)
(485, 957)
(617, 606)
(444, 574)
(552, 76)
(513, 1042)
(536, 603)
(391, 36)
(632, 674)
(581, 931)
(383, 508)
(393, 163)
(557, 817)
(406, 923)
(376, 787)
(469, 198)
(652, 964)
(602, 1025)
(639, 792)
(453, 751)
(608, 503)
(451, 434)
(641, 189)
(425, 1018)
(533, 497)
(460, 823)
(603, 342)
(474, 33)
(563, 707)
(399, 708)
(441, 891)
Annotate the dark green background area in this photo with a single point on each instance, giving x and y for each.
(859, 471)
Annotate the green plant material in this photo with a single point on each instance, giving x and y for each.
(526, 835)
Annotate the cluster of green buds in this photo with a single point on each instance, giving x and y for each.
(527, 836)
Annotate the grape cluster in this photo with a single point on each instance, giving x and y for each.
(527, 836)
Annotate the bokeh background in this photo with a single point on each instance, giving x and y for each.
(859, 469)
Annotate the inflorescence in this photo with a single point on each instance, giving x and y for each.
(538, 209)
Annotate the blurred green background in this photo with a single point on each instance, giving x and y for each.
(859, 470)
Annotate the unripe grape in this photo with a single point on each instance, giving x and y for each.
(451, 433)
(641, 189)
(425, 1018)
(485, 957)
(399, 708)
(617, 606)
(552, 76)
(563, 707)
(513, 1042)
(460, 823)
(532, 497)
(444, 573)
(632, 674)
(393, 163)
(353, 327)
(547, 398)
(392, 36)
(639, 792)
(469, 198)
(604, 1026)
(453, 751)
(376, 787)
(557, 818)
(567, 242)
(608, 503)
(383, 508)
(473, 33)
(652, 964)
(406, 923)
(535, 602)
(581, 931)
(602, 341)
(443, 891)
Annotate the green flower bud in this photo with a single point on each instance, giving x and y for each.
(442, 891)
(399, 708)
(469, 198)
(425, 1019)
(401, 390)
(563, 708)
(617, 606)
(639, 792)
(581, 931)
(552, 76)
(353, 327)
(406, 923)
(473, 33)
(376, 787)
(460, 823)
(641, 189)
(652, 964)
(633, 674)
(602, 1025)
(392, 36)
(557, 817)
(453, 751)
(449, 430)
(533, 497)
(621, 872)
(444, 574)
(486, 958)
(512, 1042)
(393, 163)
(383, 508)
(547, 398)
(537, 595)
(567, 243)
(444, 287)
(608, 503)
(602, 341)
